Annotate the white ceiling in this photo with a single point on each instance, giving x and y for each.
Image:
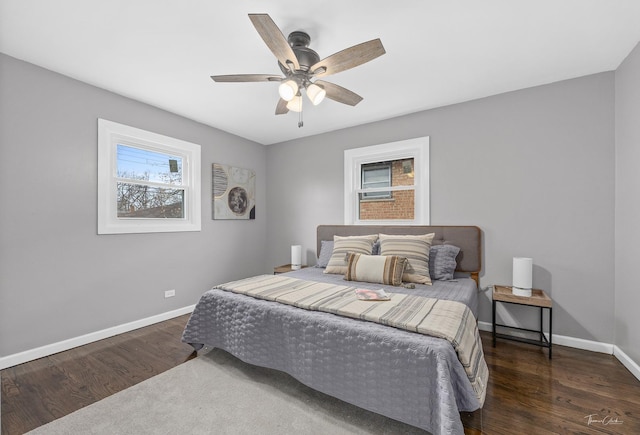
(439, 52)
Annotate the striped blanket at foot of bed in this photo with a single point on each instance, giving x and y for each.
(449, 320)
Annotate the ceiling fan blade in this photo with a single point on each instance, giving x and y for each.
(281, 108)
(275, 40)
(339, 94)
(348, 58)
(247, 78)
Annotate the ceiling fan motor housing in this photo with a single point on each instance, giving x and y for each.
(299, 42)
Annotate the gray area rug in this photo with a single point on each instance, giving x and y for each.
(216, 393)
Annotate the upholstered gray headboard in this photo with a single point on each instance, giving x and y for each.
(467, 238)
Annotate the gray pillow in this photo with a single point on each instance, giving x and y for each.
(442, 261)
(326, 249)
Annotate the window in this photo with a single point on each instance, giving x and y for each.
(388, 183)
(146, 182)
(149, 184)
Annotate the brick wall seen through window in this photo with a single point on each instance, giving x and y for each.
(401, 204)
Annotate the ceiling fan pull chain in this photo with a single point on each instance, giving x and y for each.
(300, 122)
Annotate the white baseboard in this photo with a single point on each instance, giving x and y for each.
(579, 343)
(50, 349)
(594, 346)
(563, 340)
(626, 361)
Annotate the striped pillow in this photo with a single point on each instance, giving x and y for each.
(342, 245)
(375, 268)
(415, 249)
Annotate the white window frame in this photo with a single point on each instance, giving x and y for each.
(110, 134)
(417, 148)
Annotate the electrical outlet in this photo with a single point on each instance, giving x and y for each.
(169, 293)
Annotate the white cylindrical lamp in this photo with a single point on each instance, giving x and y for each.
(296, 257)
(522, 276)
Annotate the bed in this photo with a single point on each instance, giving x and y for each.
(411, 377)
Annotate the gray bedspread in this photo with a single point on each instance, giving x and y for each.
(406, 376)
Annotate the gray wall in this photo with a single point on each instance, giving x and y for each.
(534, 169)
(627, 297)
(58, 278)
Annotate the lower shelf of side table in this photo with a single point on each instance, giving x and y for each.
(538, 299)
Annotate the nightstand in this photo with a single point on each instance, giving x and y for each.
(284, 269)
(538, 299)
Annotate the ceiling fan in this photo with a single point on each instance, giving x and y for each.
(302, 67)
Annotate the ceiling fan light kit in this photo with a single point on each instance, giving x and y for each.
(316, 93)
(288, 89)
(300, 65)
(295, 104)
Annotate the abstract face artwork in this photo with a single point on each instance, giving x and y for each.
(233, 192)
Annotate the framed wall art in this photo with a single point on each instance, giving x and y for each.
(233, 192)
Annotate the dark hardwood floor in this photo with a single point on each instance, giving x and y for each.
(43, 390)
(527, 392)
(530, 394)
